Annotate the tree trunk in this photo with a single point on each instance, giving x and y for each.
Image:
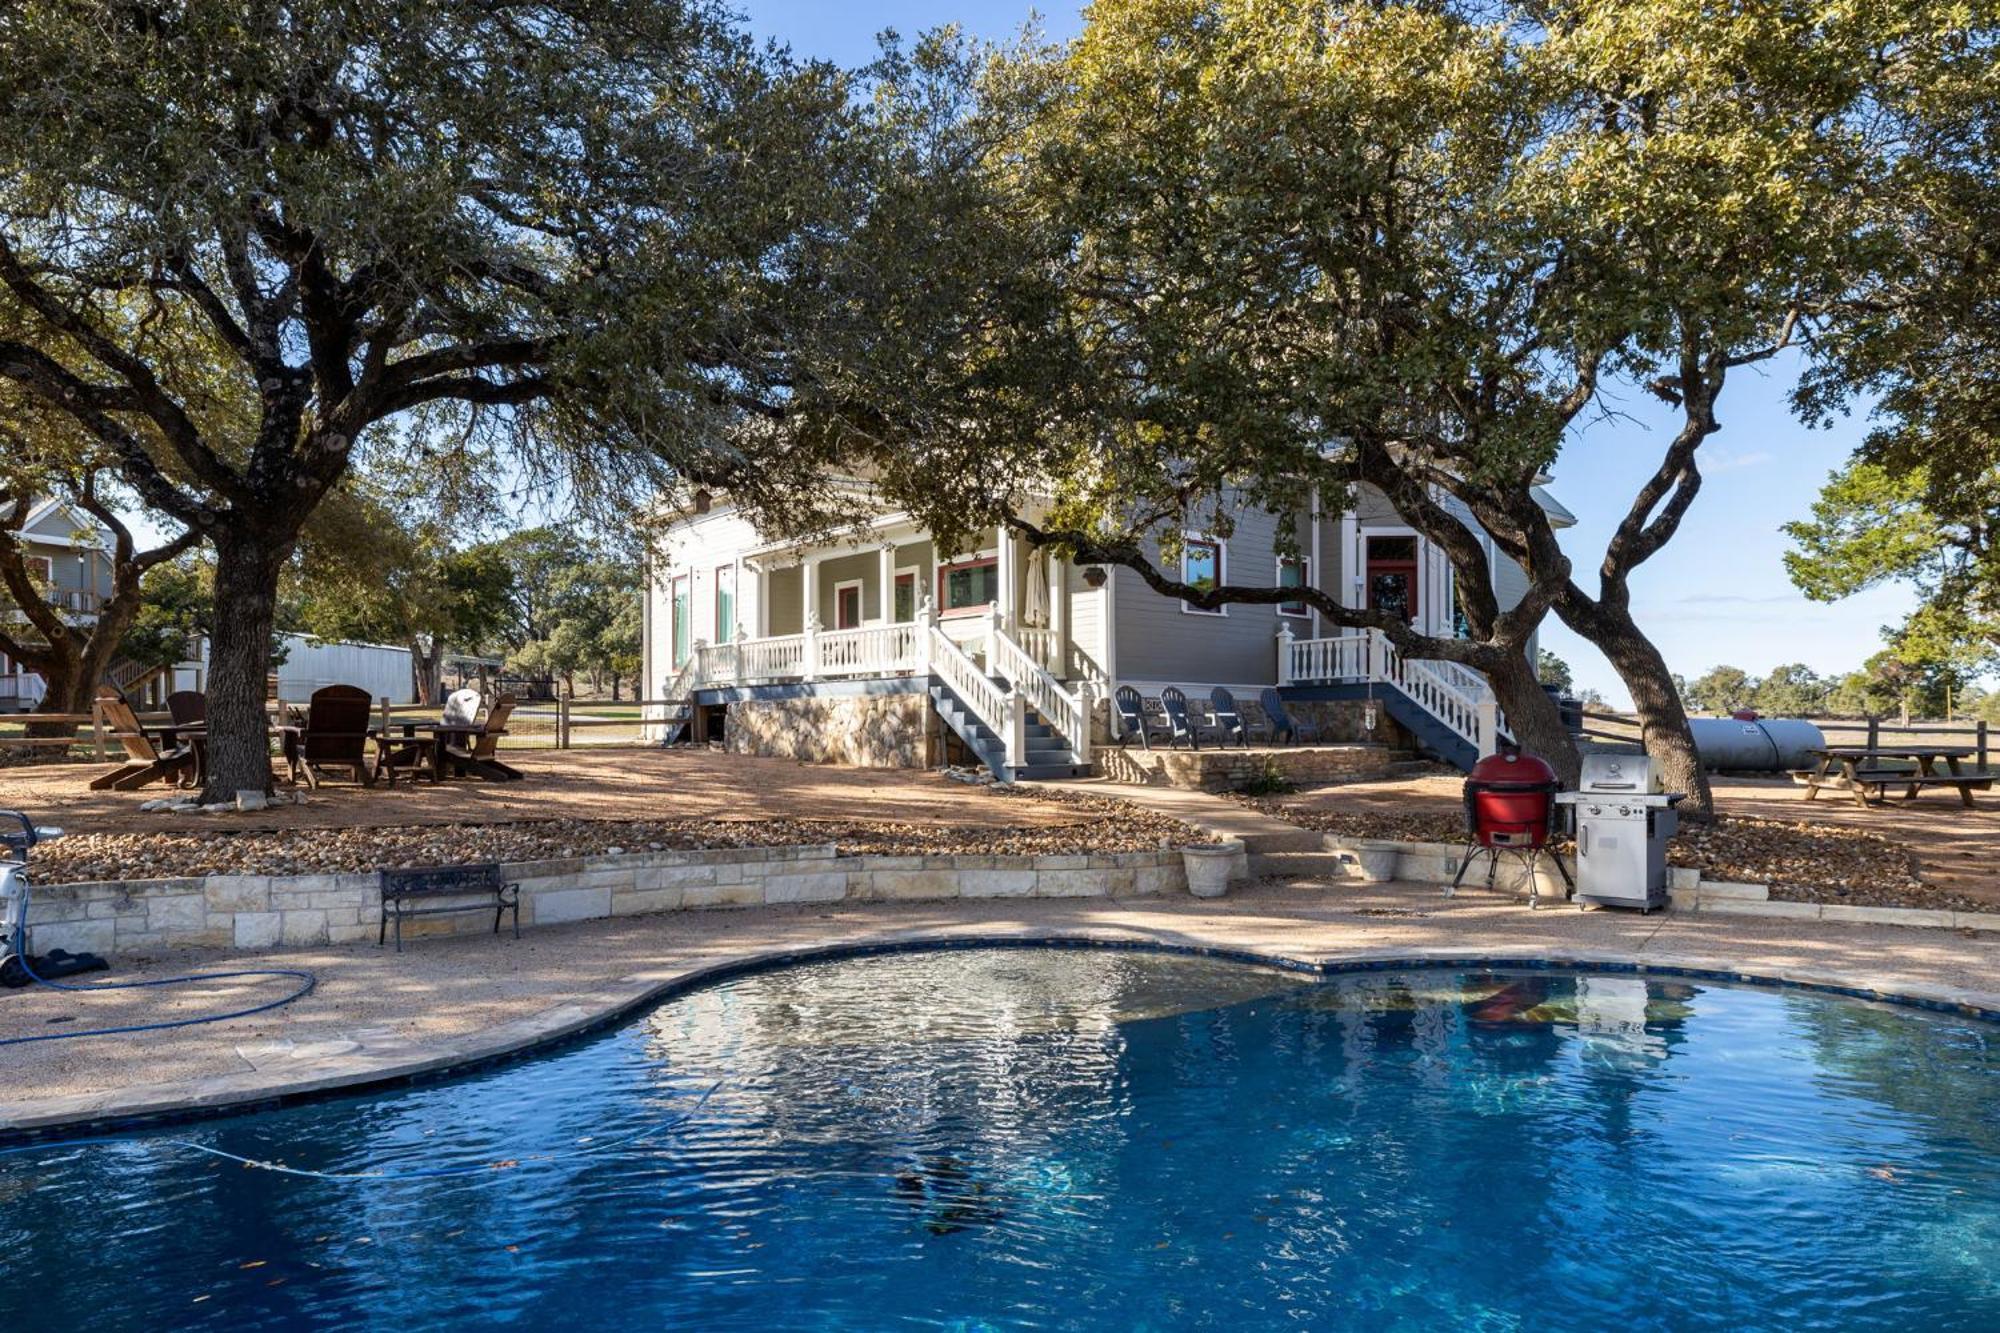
(1663, 722)
(427, 662)
(239, 664)
(67, 689)
(1532, 716)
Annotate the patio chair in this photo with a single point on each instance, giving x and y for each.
(144, 761)
(187, 706)
(1228, 721)
(1282, 724)
(1180, 724)
(1128, 717)
(478, 756)
(334, 735)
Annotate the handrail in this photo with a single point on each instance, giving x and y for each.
(973, 687)
(893, 647)
(1455, 695)
(1065, 712)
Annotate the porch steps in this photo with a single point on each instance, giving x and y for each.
(1048, 755)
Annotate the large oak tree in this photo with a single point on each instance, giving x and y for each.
(235, 240)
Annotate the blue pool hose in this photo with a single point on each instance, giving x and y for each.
(19, 945)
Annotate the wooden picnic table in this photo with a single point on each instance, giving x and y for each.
(441, 736)
(1861, 767)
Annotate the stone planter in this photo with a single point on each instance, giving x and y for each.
(1374, 865)
(1210, 867)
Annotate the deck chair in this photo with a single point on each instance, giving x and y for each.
(1180, 724)
(1282, 724)
(1228, 722)
(185, 706)
(335, 735)
(1128, 716)
(477, 756)
(144, 761)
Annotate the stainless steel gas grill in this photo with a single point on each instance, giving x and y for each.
(1624, 818)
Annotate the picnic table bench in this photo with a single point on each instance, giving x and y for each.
(1854, 769)
(426, 884)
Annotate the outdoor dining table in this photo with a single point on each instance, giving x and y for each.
(441, 736)
(1860, 767)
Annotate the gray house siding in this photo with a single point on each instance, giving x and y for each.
(1159, 641)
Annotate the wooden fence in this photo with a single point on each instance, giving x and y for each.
(1871, 732)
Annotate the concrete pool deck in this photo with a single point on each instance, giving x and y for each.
(377, 1015)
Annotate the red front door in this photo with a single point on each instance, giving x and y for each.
(1392, 575)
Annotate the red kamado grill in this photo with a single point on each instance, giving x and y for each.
(1510, 809)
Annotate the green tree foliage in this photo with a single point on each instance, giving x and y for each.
(573, 608)
(366, 572)
(1877, 523)
(1792, 690)
(1720, 690)
(239, 244)
(1552, 670)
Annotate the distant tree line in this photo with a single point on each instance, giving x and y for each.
(1885, 686)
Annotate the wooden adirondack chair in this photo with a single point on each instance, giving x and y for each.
(144, 761)
(1281, 721)
(1128, 712)
(1180, 724)
(1228, 721)
(186, 706)
(335, 735)
(476, 753)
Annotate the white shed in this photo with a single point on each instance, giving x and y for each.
(385, 671)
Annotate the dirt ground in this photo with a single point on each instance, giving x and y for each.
(1956, 848)
(568, 784)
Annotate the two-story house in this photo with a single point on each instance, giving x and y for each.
(852, 650)
(69, 555)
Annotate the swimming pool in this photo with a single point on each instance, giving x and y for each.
(1072, 1138)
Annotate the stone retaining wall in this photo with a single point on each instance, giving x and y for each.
(257, 912)
(1215, 770)
(866, 731)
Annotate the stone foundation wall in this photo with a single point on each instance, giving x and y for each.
(865, 731)
(1216, 770)
(259, 912)
(1338, 720)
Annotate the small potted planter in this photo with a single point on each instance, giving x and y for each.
(1373, 865)
(1210, 866)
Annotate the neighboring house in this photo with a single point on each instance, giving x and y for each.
(69, 554)
(841, 651)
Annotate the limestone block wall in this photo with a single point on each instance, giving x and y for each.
(866, 731)
(1216, 770)
(261, 912)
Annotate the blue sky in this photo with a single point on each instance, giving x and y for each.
(1718, 592)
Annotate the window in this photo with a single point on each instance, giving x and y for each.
(906, 597)
(847, 605)
(1203, 566)
(41, 569)
(968, 587)
(1294, 572)
(725, 603)
(683, 623)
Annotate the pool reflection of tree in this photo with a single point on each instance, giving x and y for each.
(1941, 1073)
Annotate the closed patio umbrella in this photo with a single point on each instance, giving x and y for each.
(1035, 613)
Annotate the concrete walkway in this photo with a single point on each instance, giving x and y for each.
(380, 1016)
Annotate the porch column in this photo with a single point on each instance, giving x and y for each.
(763, 609)
(1316, 575)
(887, 579)
(1058, 575)
(809, 615)
(1010, 603)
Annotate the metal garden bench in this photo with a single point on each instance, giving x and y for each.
(422, 884)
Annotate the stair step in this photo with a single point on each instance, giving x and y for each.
(1298, 865)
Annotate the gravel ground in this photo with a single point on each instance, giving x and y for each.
(1801, 862)
(1086, 824)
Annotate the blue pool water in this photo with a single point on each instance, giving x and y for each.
(1079, 1139)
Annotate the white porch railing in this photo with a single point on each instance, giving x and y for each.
(871, 651)
(1001, 710)
(1067, 713)
(1453, 694)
